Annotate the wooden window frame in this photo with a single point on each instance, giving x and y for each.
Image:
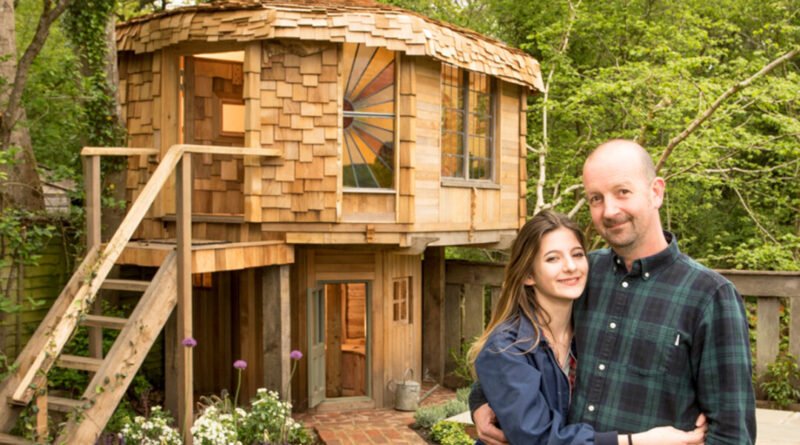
(465, 131)
(402, 302)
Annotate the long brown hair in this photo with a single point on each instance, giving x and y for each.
(517, 299)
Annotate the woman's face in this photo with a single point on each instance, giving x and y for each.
(560, 267)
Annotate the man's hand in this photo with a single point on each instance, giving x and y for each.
(486, 425)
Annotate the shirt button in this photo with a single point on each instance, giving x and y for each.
(612, 325)
(602, 367)
(647, 274)
(591, 408)
(625, 284)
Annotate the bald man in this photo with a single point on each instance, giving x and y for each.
(660, 338)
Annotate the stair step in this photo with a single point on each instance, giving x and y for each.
(103, 321)
(126, 285)
(79, 362)
(63, 404)
(8, 439)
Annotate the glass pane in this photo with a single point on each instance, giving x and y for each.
(479, 168)
(368, 160)
(452, 166)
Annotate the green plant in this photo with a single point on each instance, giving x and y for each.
(462, 394)
(269, 419)
(781, 382)
(427, 416)
(463, 369)
(154, 430)
(450, 433)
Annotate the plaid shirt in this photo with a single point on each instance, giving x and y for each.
(659, 345)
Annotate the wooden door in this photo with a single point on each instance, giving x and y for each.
(316, 346)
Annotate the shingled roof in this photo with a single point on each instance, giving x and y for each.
(354, 21)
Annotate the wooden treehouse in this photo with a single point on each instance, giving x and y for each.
(300, 159)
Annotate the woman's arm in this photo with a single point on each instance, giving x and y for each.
(513, 388)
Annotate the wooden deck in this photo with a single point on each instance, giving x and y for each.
(211, 255)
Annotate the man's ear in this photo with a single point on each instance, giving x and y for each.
(657, 188)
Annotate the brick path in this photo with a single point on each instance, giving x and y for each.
(376, 426)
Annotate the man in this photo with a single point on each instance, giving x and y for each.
(660, 338)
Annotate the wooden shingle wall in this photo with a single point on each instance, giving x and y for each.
(469, 207)
(333, 21)
(301, 106)
(139, 89)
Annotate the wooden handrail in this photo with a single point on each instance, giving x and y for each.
(29, 377)
(184, 148)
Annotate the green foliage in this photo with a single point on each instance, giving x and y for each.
(462, 394)
(450, 433)
(463, 369)
(781, 382)
(427, 416)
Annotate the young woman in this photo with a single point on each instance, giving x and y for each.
(525, 359)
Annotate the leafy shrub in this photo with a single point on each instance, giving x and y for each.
(427, 416)
(782, 380)
(269, 419)
(462, 394)
(450, 433)
(463, 370)
(155, 430)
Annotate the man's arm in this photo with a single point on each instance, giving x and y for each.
(483, 417)
(723, 366)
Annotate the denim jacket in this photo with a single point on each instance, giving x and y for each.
(528, 391)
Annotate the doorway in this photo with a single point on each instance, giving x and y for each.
(339, 329)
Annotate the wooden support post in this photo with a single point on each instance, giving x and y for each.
(452, 325)
(473, 312)
(794, 327)
(185, 384)
(276, 328)
(767, 332)
(91, 175)
(433, 320)
(41, 417)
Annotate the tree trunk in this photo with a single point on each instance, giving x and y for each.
(21, 187)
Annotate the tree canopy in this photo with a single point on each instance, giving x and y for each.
(636, 69)
(644, 70)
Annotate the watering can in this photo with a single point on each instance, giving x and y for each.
(406, 392)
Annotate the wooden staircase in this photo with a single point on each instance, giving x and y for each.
(87, 416)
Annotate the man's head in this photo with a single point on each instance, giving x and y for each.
(624, 196)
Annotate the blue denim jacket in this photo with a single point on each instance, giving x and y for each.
(528, 392)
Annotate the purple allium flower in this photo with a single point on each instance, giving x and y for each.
(240, 364)
(295, 355)
(189, 342)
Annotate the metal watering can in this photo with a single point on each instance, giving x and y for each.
(406, 392)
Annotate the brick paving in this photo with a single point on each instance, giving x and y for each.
(374, 426)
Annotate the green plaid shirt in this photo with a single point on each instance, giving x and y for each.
(659, 345)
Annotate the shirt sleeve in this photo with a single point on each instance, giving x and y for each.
(723, 367)
(512, 386)
(476, 397)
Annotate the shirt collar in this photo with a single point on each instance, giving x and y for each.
(647, 266)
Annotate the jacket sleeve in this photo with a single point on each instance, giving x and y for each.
(476, 397)
(512, 386)
(723, 368)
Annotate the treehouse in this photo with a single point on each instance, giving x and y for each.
(290, 164)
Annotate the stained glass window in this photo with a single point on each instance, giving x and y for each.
(368, 117)
(467, 116)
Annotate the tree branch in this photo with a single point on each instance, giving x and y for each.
(49, 14)
(730, 92)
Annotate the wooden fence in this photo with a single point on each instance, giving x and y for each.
(471, 289)
(34, 288)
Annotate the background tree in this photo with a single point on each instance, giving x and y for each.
(645, 70)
